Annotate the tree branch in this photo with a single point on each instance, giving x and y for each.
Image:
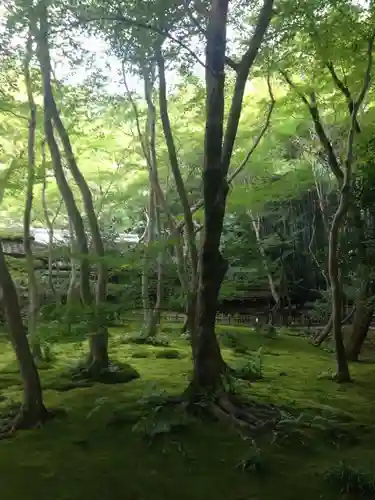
(243, 69)
(357, 104)
(241, 166)
(319, 129)
(147, 26)
(344, 90)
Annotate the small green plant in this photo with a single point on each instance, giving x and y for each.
(350, 480)
(270, 332)
(154, 397)
(48, 354)
(136, 338)
(254, 462)
(233, 341)
(252, 369)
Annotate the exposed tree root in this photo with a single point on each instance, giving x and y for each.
(22, 418)
(254, 417)
(250, 416)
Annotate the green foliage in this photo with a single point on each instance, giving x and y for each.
(134, 338)
(351, 480)
(234, 341)
(252, 368)
(254, 462)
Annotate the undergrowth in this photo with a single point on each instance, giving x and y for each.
(352, 480)
(126, 441)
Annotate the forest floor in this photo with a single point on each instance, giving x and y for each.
(108, 447)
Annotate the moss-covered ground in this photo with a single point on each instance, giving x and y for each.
(97, 452)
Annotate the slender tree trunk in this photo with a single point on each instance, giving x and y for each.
(32, 281)
(323, 335)
(33, 411)
(146, 303)
(49, 223)
(64, 188)
(50, 231)
(98, 340)
(342, 173)
(147, 310)
(256, 224)
(342, 373)
(156, 313)
(73, 296)
(188, 217)
(157, 199)
(361, 323)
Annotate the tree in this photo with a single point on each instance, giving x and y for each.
(343, 174)
(33, 285)
(208, 363)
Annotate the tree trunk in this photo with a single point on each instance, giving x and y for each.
(64, 188)
(208, 362)
(50, 228)
(32, 281)
(181, 190)
(98, 341)
(33, 411)
(323, 335)
(151, 324)
(361, 324)
(262, 252)
(156, 313)
(146, 264)
(342, 172)
(218, 149)
(49, 223)
(342, 372)
(73, 293)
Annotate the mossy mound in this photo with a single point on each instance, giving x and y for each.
(116, 373)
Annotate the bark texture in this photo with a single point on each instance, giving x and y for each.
(64, 188)
(33, 412)
(182, 194)
(218, 148)
(32, 281)
(98, 340)
(361, 323)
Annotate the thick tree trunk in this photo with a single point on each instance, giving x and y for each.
(208, 362)
(32, 281)
(361, 324)
(218, 148)
(33, 411)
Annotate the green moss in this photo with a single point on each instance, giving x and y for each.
(95, 453)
